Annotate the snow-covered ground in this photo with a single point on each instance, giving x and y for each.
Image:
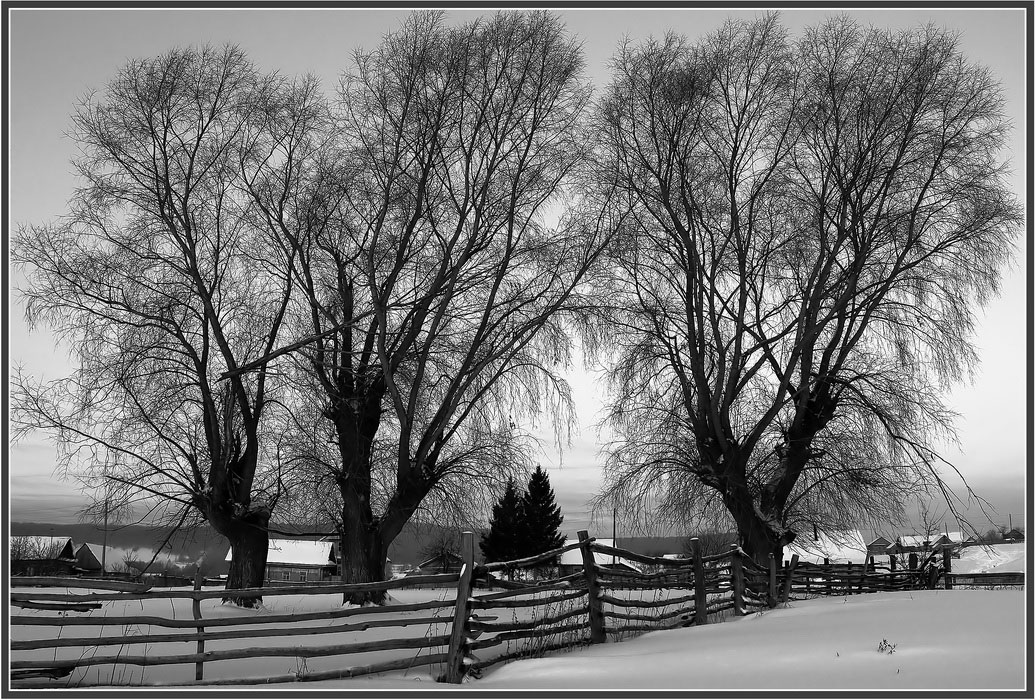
(942, 640)
(959, 639)
(991, 558)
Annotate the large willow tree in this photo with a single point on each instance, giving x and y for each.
(809, 229)
(161, 277)
(430, 285)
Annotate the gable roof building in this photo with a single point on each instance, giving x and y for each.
(299, 561)
(846, 547)
(42, 547)
(90, 557)
(304, 553)
(41, 555)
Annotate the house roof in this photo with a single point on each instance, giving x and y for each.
(441, 555)
(573, 557)
(114, 558)
(66, 548)
(953, 536)
(846, 547)
(880, 540)
(915, 541)
(300, 552)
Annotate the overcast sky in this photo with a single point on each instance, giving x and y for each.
(56, 56)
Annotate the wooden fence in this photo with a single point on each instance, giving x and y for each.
(593, 604)
(203, 630)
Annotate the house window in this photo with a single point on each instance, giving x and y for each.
(303, 576)
(285, 575)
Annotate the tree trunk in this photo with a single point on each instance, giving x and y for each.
(362, 557)
(758, 537)
(249, 546)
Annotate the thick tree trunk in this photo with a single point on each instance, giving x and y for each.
(362, 557)
(249, 547)
(759, 537)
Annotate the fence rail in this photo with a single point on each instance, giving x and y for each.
(594, 603)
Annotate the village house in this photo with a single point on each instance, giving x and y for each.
(42, 555)
(300, 561)
(878, 547)
(845, 547)
(441, 563)
(908, 544)
(89, 558)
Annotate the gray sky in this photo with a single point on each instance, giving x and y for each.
(56, 56)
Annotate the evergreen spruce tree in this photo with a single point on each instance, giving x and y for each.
(541, 516)
(503, 541)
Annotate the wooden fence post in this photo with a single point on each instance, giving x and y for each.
(700, 588)
(737, 576)
(199, 671)
(772, 580)
(789, 578)
(947, 565)
(597, 631)
(461, 613)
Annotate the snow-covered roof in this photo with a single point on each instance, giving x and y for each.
(303, 552)
(953, 536)
(915, 540)
(845, 547)
(113, 558)
(573, 557)
(46, 542)
(449, 557)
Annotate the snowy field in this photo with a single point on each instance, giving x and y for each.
(995, 558)
(960, 639)
(942, 640)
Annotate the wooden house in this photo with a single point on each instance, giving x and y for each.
(42, 555)
(1013, 535)
(300, 561)
(906, 544)
(95, 559)
(878, 546)
(841, 547)
(441, 563)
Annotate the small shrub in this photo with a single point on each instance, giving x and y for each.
(886, 647)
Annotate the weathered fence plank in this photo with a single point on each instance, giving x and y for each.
(315, 589)
(700, 591)
(199, 669)
(461, 614)
(597, 631)
(737, 576)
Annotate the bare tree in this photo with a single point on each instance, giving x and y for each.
(431, 283)
(161, 278)
(807, 226)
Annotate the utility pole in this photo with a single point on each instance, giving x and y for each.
(614, 533)
(104, 541)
